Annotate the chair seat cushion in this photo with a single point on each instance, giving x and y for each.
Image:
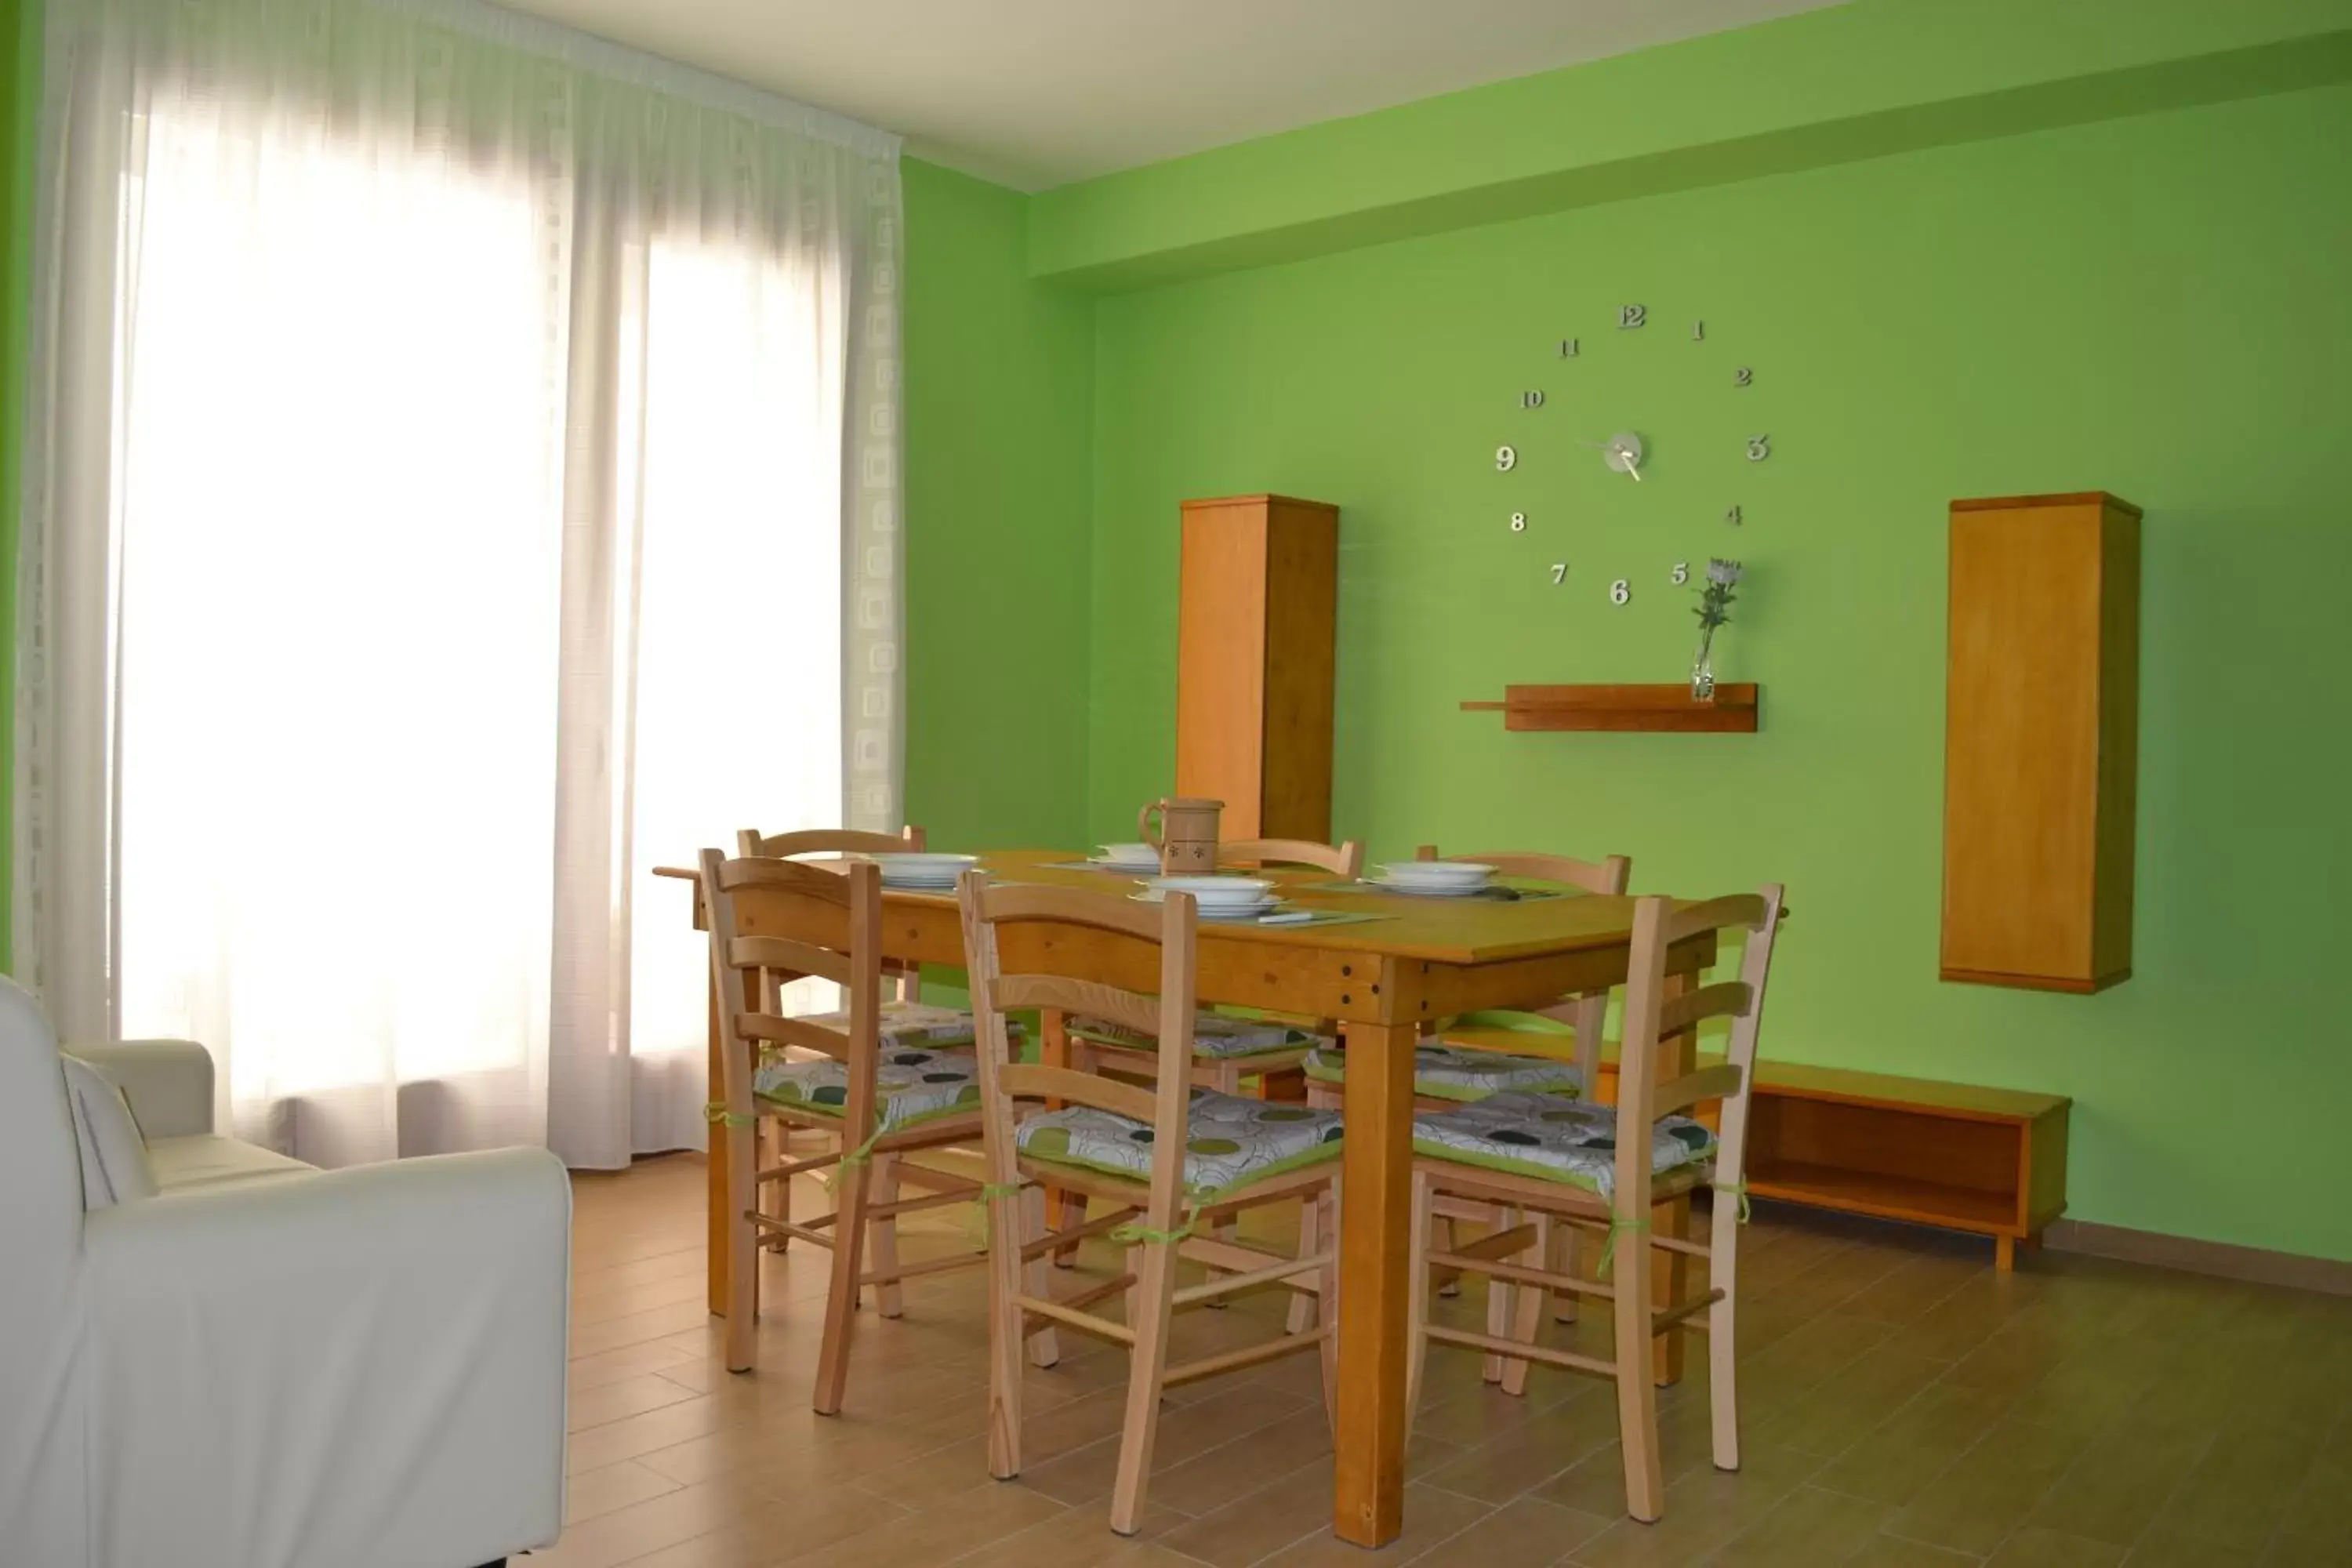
(1231, 1142)
(209, 1159)
(1449, 1072)
(912, 1085)
(910, 1024)
(1217, 1035)
(1542, 1135)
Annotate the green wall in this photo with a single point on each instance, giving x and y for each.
(999, 385)
(2155, 306)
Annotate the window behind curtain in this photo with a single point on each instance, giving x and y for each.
(340, 457)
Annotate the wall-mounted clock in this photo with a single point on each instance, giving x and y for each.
(1530, 461)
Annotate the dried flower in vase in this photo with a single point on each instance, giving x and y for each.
(1713, 610)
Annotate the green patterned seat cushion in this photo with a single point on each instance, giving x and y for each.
(1216, 1034)
(1231, 1142)
(911, 1024)
(1450, 1072)
(912, 1085)
(1562, 1141)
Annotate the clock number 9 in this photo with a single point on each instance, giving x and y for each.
(1506, 459)
(1519, 523)
(1681, 573)
(1759, 448)
(1620, 591)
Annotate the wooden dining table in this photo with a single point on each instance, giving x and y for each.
(1384, 980)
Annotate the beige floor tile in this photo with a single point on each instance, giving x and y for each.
(2034, 1547)
(1894, 1552)
(1527, 1533)
(1808, 1528)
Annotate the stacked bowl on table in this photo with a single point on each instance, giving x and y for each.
(1435, 878)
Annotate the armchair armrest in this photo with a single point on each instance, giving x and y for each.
(363, 1367)
(169, 1083)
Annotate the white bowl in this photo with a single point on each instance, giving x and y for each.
(1214, 890)
(1129, 854)
(941, 869)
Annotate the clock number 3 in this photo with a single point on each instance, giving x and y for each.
(1620, 591)
(1506, 459)
(1759, 448)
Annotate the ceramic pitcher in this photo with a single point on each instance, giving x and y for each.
(1186, 835)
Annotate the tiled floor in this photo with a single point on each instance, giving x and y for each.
(1904, 1407)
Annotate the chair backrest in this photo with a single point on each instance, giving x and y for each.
(1607, 876)
(1589, 1012)
(1340, 859)
(44, 1446)
(812, 921)
(751, 845)
(1651, 1019)
(1106, 935)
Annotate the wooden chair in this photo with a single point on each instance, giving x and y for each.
(1132, 1145)
(1529, 1155)
(1507, 1037)
(1241, 1048)
(880, 1113)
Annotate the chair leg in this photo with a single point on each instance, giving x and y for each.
(1227, 1079)
(1148, 1362)
(742, 1248)
(1416, 1319)
(1044, 1350)
(1445, 1231)
(1526, 1320)
(884, 1242)
(1327, 1304)
(771, 1145)
(1069, 1208)
(1637, 1390)
(1502, 1297)
(1567, 1248)
(1722, 1343)
(849, 1229)
(1305, 1310)
(1004, 1338)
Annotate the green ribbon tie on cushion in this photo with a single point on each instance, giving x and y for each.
(1739, 1191)
(1616, 1224)
(861, 1155)
(1131, 1234)
(715, 1112)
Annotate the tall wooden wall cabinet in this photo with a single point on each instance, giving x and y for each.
(2041, 741)
(1256, 623)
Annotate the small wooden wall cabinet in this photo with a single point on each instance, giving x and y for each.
(2041, 741)
(1987, 1161)
(1257, 620)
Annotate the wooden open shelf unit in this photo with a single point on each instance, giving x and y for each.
(1658, 710)
(1987, 1161)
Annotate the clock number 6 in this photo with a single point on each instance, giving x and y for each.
(1620, 591)
(1759, 448)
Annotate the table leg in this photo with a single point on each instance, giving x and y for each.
(716, 1143)
(1670, 1271)
(1375, 1244)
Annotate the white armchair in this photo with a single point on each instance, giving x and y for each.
(263, 1365)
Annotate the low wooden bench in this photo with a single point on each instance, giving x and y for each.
(1987, 1161)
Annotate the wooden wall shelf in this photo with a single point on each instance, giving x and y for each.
(1643, 709)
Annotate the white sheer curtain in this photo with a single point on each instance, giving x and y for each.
(462, 474)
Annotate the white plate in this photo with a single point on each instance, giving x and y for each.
(1437, 872)
(1218, 889)
(1219, 913)
(1127, 856)
(1430, 890)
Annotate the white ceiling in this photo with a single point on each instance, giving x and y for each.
(1040, 92)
